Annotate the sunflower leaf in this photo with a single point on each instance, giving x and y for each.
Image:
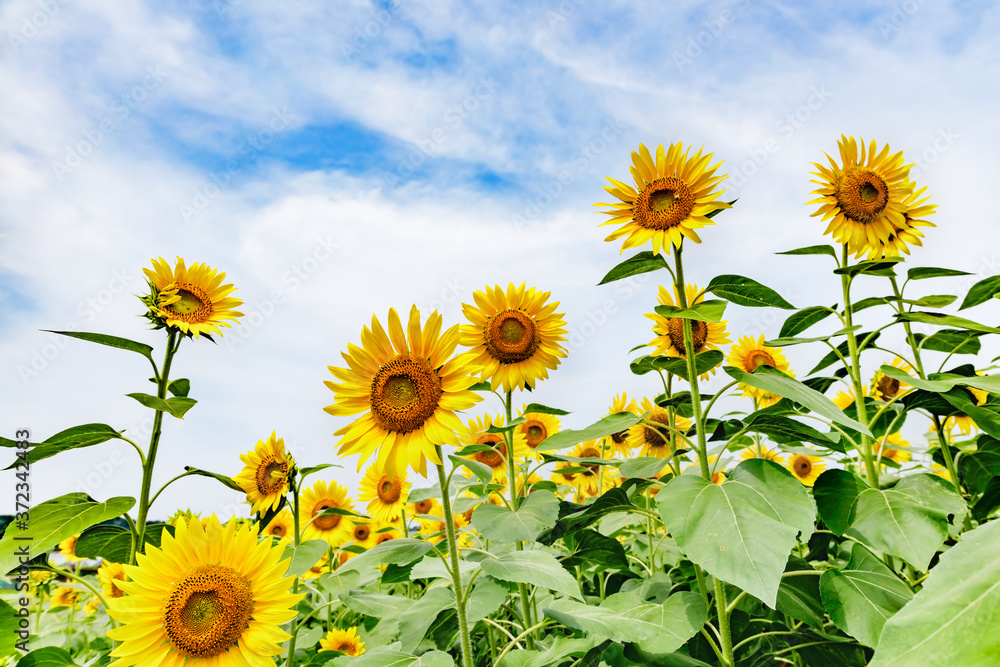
(227, 481)
(930, 301)
(874, 267)
(704, 362)
(981, 292)
(86, 435)
(746, 292)
(642, 262)
(835, 492)
(480, 386)
(869, 303)
(401, 551)
(537, 513)
(304, 556)
(311, 469)
(950, 341)
(540, 409)
(340, 511)
(608, 426)
(924, 272)
(496, 428)
(811, 250)
(538, 568)
(801, 320)
(47, 656)
(179, 405)
(704, 311)
(179, 387)
(944, 320)
(978, 468)
(480, 470)
(110, 341)
(642, 466)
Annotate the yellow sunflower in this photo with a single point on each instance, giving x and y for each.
(673, 196)
(385, 532)
(190, 299)
(669, 331)
(68, 549)
(385, 494)
(475, 434)
(408, 386)
(345, 641)
(895, 448)
(656, 442)
(964, 422)
(941, 471)
(587, 482)
(282, 525)
(885, 388)
(762, 453)
(916, 207)
(805, 468)
(335, 529)
(748, 355)
(845, 399)
(864, 198)
(65, 596)
(619, 441)
(536, 428)
(425, 506)
(208, 593)
(108, 574)
(561, 478)
(265, 476)
(514, 336)
(363, 534)
(91, 607)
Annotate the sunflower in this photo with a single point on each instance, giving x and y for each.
(865, 199)
(655, 442)
(964, 422)
(885, 388)
(183, 515)
(363, 534)
(587, 482)
(748, 355)
(335, 529)
(345, 641)
(68, 549)
(385, 494)
(190, 299)
(475, 434)
(209, 592)
(282, 525)
(940, 471)
(91, 607)
(569, 478)
(425, 507)
(895, 245)
(762, 453)
(536, 428)
(408, 386)
(673, 196)
(385, 532)
(109, 573)
(619, 440)
(805, 468)
(670, 330)
(265, 476)
(895, 448)
(514, 336)
(65, 596)
(845, 399)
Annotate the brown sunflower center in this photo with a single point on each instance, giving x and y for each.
(278, 530)
(389, 490)
(272, 474)
(511, 336)
(385, 537)
(862, 194)
(361, 533)
(404, 394)
(664, 203)
(655, 437)
(193, 304)
(534, 432)
(620, 437)
(424, 506)
(888, 386)
(496, 457)
(208, 611)
(346, 647)
(758, 358)
(590, 453)
(115, 591)
(675, 331)
(802, 466)
(326, 521)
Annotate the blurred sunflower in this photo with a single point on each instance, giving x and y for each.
(805, 468)
(208, 593)
(265, 474)
(845, 399)
(425, 506)
(385, 494)
(335, 529)
(619, 441)
(65, 596)
(190, 299)
(669, 331)
(964, 422)
(496, 458)
(587, 483)
(567, 474)
(535, 429)
(67, 548)
(657, 442)
(282, 525)
(864, 198)
(385, 532)
(108, 574)
(408, 386)
(345, 641)
(748, 355)
(673, 196)
(895, 448)
(885, 388)
(762, 453)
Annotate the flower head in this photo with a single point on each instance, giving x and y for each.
(265, 476)
(192, 299)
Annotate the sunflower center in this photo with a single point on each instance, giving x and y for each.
(534, 432)
(590, 453)
(271, 476)
(361, 533)
(278, 530)
(664, 203)
(192, 304)
(404, 394)
(759, 358)
(888, 386)
(389, 489)
(326, 521)
(862, 194)
(675, 331)
(494, 458)
(424, 506)
(385, 537)
(511, 336)
(889, 454)
(802, 466)
(620, 437)
(208, 611)
(654, 438)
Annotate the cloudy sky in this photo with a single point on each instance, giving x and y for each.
(339, 159)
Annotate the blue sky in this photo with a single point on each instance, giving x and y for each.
(425, 150)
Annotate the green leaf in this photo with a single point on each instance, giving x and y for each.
(924, 272)
(477, 468)
(799, 596)
(608, 426)
(910, 520)
(227, 481)
(870, 302)
(613, 500)
(486, 599)
(77, 437)
(9, 623)
(378, 605)
(419, 616)
(604, 621)
(416, 495)
(800, 321)
(642, 262)
(865, 341)
(305, 555)
(175, 407)
(114, 543)
(401, 551)
(863, 596)
(877, 267)
(977, 468)
(784, 430)
(303, 472)
(746, 292)
(590, 547)
(988, 502)
(931, 301)
(944, 320)
(539, 409)
(953, 620)
(705, 311)
(771, 379)
(981, 292)
(48, 656)
(811, 250)
(642, 466)
(481, 386)
(179, 405)
(392, 658)
(110, 341)
(835, 492)
(537, 568)
(984, 416)
(950, 341)
(538, 512)
(743, 530)
(179, 387)
(55, 520)
(704, 362)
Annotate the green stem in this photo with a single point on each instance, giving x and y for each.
(726, 638)
(295, 582)
(515, 498)
(85, 583)
(456, 575)
(691, 368)
(909, 332)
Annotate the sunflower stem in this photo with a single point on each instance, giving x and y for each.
(725, 636)
(909, 331)
(456, 574)
(515, 498)
(294, 484)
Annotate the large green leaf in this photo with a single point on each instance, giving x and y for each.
(981, 292)
(538, 512)
(877, 267)
(742, 530)
(304, 556)
(835, 492)
(944, 320)
(86, 435)
(608, 426)
(704, 311)
(588, 547)
(798, 595)
(114, 543)
(703, 362)
(773, 380)
(8, 629)
(55, 520)
(746, 292)
(110, 341)
(378, 605)
(985, 416)
(924, 272)
(390, 657)
(176, 406)
(953, 620)
(538, 568)
(977, 468)
(642, 262)
(863, 596)
(482, 471)
(47, 656)
(910, 520)
(950, 341)
(396, 552)
(784, 430)
(419, 616)
(988, 502)
(800, 321)
(224, 479)
(642, 466)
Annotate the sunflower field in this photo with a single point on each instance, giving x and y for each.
(789, 523)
